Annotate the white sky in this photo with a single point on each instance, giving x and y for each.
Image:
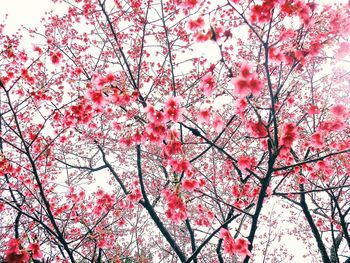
(23, 12)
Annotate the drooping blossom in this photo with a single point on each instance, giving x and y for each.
(190, 184)
(196, 24)
(176, 210)
(313, 110)
(207, 84)
(5, 165)
(257, 129)
(36, 252)
(246, 82)
(190, 3)
(262, 12)
(155, 132)
(241, 106)
(204, 115)
(317, 140)
(154, 115)
(180, 166)
(343, 50)
(14, 253)
(135, 195)
(289, 135)
(173, 110)
(234, 246)
(218, 123)
(56, 57)
(275, 54)
(37, 49)
(246, 162)
(339, 111)
(96, 97)
(172, 147)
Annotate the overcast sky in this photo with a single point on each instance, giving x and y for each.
(24, 12)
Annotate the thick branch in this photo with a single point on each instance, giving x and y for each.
(147, 205)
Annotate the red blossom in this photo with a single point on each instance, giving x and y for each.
(190, 3)
(96, 97)
(275, 54)
(154, 115)
(135, 195)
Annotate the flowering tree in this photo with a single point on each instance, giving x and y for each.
(159, 131)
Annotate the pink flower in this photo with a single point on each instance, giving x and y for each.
(257, 129)
(14, 254)
(196, 24)
(135, 195)
(190, 3)
(242, 247)
(190, 184)
(317, 141)
(56, 57)
(301, 180)
(255, 86)
(173, 110)
(339, 111)
(262, 13)
(229, 242)
(242, 86)
(207, 84)
(204, 116)
(235, 191)
(234, 246)
(35, 248)
(275, 54)
(246, 82)
(218, 124)
(241, 106)
(172, 148)
(110, 77)
(313, 110)
(154, 115)
(245, 162)
(21, 257)
(13, 246)
(180, 166)
(343, 51)
(38, 49)
(176, 207)
(96, 97)
(289, 135)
